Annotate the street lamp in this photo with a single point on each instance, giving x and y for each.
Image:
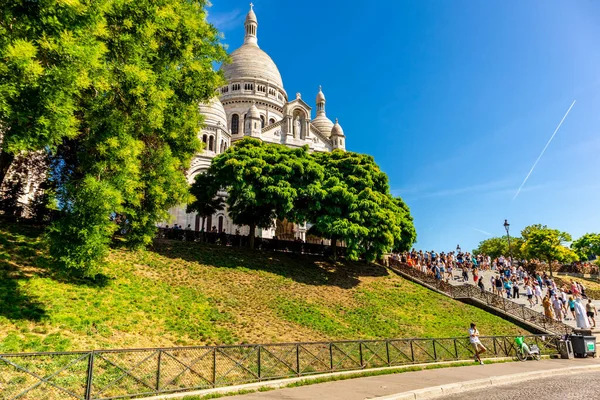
(506, 226)
(458, 248)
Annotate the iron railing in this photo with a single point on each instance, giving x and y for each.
(118, 374)
(468, 291)
(225, 239)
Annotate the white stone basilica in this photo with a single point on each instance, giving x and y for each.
(254, 103)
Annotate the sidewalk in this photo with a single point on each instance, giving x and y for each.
(387, 385)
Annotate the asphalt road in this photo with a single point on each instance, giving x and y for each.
(569, 387)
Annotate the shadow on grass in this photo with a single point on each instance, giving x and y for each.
(14, 303)
(310, 270)
(23, 255)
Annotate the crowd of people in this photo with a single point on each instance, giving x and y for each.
(508, 278)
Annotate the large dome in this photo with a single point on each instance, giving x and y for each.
(250, 62)
(214, 113)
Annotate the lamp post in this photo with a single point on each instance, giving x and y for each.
(458, 248)
(506, 226)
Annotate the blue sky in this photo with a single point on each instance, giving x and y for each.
(455, 100)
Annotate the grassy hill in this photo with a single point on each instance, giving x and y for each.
(189, 294)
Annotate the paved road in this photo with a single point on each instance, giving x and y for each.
(572, 387)
(385, 385)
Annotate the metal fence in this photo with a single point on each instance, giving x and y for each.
(225, 239)
(467, 291)
(116, 374)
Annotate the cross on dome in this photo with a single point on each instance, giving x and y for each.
(251, 6)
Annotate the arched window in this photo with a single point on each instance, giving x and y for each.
(211, 143)
(220, 224)
(235, 124)
(204, 138)
(271, 121)
(262, 121)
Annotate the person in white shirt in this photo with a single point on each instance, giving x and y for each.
(476, 343)
(529, 293)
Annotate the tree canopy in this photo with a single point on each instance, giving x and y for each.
(547, 244)
(587, 246)
(111, 90)
(343, 195)
(498, 246)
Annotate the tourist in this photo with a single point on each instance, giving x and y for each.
(547, 304)
(476, 343)
(581, 315)
(529, 293)
(515, 286)
(572, 306)
(480, 284)
(557, 306)
(508, 288)
(499, 286)
(591, 311)
(537, 291)
(581, 289)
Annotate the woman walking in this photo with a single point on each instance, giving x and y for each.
(547, 307)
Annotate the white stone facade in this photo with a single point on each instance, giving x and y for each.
(254, 103)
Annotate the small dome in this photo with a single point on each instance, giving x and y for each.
(337, 129)
(213, 112)
(320, 97)
(323, 124)
(253, 112)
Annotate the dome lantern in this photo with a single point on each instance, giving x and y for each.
(320, 101)
(251, 26)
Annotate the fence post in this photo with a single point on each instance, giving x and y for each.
(495, 349)
(412, 352)
(331, 356)
(455, 349)
(214, 377)
(387, 352)
(90, 377)
(523, 311)
(434, 352)
(258, 356)
(298, 359)
(158, 371)
(360, 352)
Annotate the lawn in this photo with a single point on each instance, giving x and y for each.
(180, 293)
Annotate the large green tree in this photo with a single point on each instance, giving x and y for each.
(264, 182)
(111, 88)
(587, 246)
(357, 208)
(547, 244)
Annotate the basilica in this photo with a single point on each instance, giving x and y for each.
(254, 103)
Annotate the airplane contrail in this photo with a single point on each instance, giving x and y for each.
(482, 231)
(543, 151)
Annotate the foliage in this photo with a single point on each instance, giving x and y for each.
(356, 207)
(191, 294)
(498, 246)
(408, 233)
(547, 244)
(206, 201)
(587, 246)
(111, 89)
(51, 54)
(264, 181)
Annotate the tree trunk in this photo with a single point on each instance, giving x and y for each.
(251, 236)
(550, 267)
(6, 160)
(334, 247)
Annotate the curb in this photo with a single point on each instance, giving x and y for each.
(282, 383)
(460, 387)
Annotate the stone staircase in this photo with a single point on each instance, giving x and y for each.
(471, 294)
